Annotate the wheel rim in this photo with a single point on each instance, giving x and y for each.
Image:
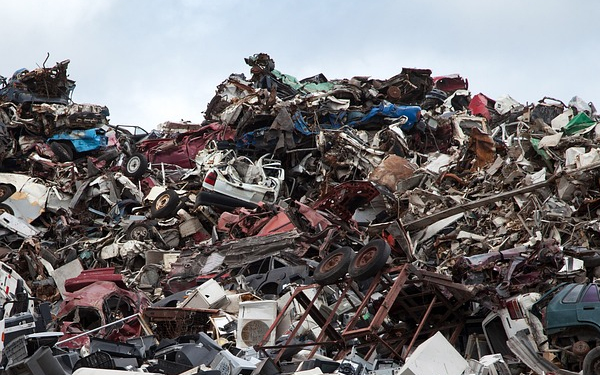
(133, 164)
(366, 256)
(161, 202)
(332, 262)
(139, 233)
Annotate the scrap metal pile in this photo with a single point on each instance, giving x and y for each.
(322, 226)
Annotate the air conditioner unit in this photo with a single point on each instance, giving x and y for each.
(254, 320)
(209, 295)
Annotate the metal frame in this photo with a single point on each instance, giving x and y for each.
(396, 299)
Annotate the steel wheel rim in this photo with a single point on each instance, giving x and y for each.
(139, 232)
(332, 262)
(366, 256)
(133, 164)
(161, 202)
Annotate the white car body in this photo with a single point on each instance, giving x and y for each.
(29, 200)
(9, 280)
(8, 287)
(515, 318)
(239, 177)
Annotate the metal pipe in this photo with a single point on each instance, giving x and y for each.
(98, 329)
(301, 150)
(420, 327)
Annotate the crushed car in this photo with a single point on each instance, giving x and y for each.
(96, 299)
(67, 145)
(177, 151)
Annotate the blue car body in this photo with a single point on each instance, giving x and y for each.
(83, 140)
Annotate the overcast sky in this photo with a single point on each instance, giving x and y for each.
(151, 61)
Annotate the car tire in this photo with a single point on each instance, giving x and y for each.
(63, 151)
(108, 156)
(139, 232)
(136, 166)
(6, 208)
(6, 191)
(591, 362)
(369, 260)
(334, 266)
(165, 204)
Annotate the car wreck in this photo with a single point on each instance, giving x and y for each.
(93, 300)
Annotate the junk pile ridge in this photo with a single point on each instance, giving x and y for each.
(346, 226)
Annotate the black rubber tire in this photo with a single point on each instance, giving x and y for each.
(6, 208)
(591, 362)
(6, 190)
(108, 155)
(369, 260)
(63, 151)
(334, 266)
(139, 232)
(165, 204)
(136, 166)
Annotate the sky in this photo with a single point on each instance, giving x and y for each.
(151, 61)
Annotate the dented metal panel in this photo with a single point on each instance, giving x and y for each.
(29, 198)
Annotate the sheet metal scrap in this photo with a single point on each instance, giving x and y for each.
(39, 85)
(498, 275)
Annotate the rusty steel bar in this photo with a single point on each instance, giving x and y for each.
(383, 310)
(280, 315)
(300, 321)
(364, 304)
(330, 318)
(421, 324)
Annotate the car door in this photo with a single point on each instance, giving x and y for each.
(588, 308)
(561, 311)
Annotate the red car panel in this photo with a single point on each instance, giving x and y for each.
(182, 149)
